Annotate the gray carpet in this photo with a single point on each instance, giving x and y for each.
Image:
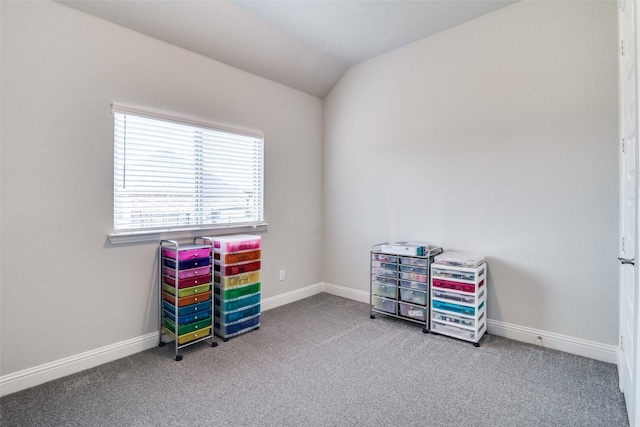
(322, 362)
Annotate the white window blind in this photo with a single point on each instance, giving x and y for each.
(170, 174)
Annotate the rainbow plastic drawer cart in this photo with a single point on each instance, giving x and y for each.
(186, 303)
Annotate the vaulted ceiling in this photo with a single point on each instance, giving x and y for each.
(305, 44)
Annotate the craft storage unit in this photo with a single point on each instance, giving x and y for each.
(236, 265)
(186, 304)
(459, 298)
(399, 283)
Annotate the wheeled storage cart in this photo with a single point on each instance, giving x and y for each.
(459, 296)
(236, 265)
(186, 304)
(399, 281)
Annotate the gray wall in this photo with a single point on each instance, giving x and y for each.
(498, 137)
(65, 289)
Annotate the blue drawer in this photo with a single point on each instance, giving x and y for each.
(188, 318)
(188, 309)
(238, 327)
(237, 315)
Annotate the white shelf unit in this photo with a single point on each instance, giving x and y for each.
(399, 285)
(459, 301)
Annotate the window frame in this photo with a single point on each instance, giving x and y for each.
(142, 235)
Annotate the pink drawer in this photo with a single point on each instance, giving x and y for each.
(187, 254)
(185, 274)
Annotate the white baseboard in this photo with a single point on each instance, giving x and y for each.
(70, 365)
(578, 346)
(27, 378)
(350, 293)
(289, 297)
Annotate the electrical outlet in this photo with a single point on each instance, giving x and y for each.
(281, 274)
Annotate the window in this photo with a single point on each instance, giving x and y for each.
(173, 174)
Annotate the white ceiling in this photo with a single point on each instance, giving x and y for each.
(305, 44)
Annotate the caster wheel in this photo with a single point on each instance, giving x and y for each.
(424, 331)
(257, 327)
(162, 344)
(225, 339)
(372, 317)
(476, 344)
(178, 358)
(214, 344)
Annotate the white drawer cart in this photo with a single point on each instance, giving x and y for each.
(459, 301)
(399, 284)
(185, 281)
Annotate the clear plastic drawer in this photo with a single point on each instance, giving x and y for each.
(387, 291)
(384, 304)
(454, 318)
(455, 331)
(421, 286)
(413, 296)
(457, 274)
(418, 262)
(385, 258)
(413, 269)
(414, 277)
(456, 296)
(385, 265)
(411, 311)
(384, 272)
(385, 280)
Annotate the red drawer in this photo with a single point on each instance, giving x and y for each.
(230, 270)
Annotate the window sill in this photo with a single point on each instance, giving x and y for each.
(157, 235)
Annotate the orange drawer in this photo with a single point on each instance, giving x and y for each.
(187, 300)
(235, 258)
